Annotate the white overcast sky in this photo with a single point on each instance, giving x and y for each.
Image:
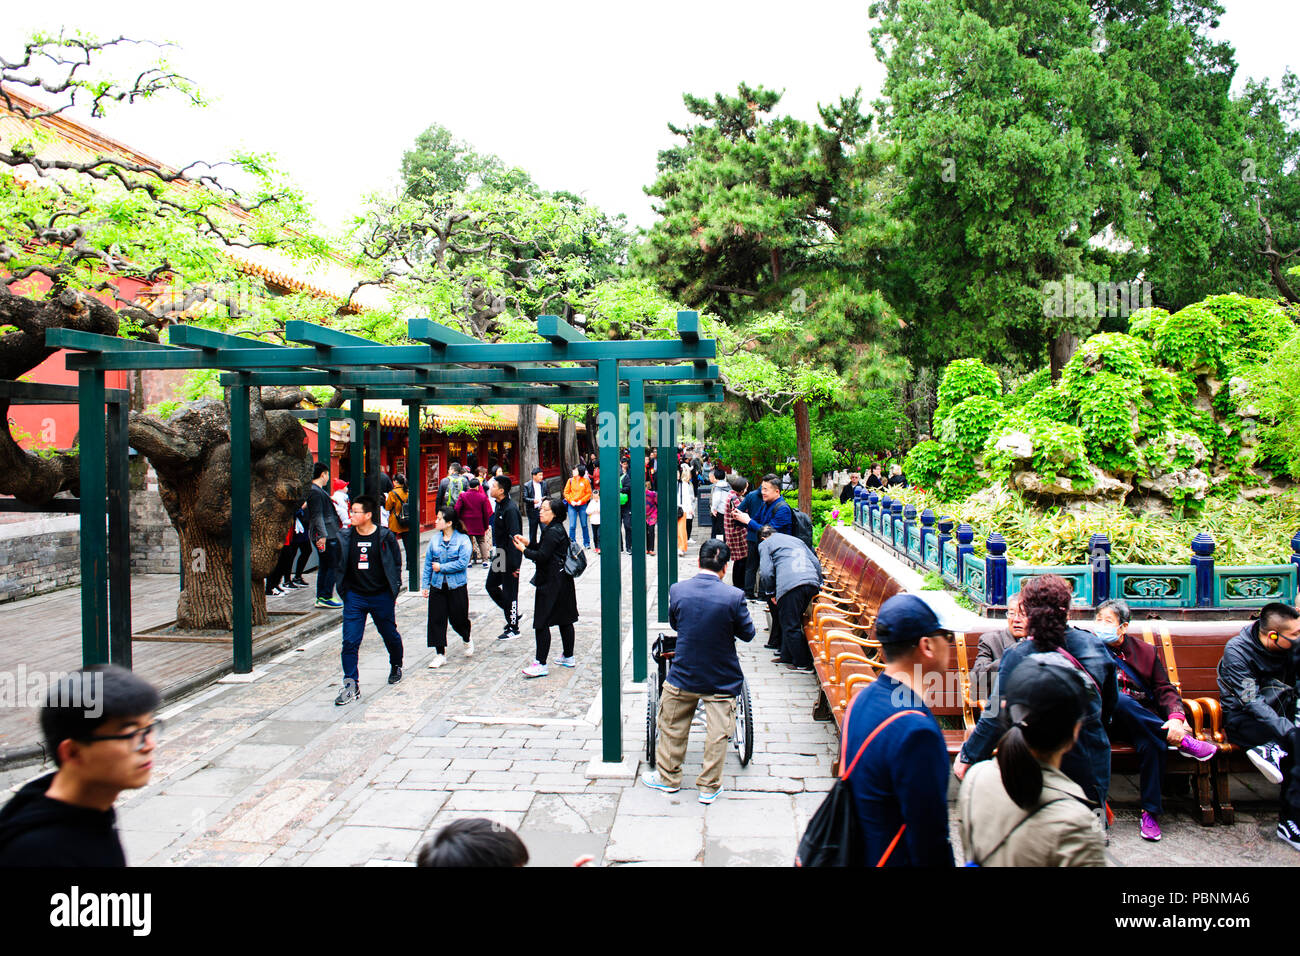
(577, 93)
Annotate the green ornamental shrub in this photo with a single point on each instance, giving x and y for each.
(969, 423)
(963, 379)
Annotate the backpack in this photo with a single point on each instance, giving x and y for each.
(575, 560)
(834, 834)
(801, 526)
(455, 488)
(404, 513)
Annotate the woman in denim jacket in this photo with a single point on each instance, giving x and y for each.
(445, 585)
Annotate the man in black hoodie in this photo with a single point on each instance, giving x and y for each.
(99, 727)
(1257, 688)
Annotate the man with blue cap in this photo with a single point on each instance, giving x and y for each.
(893, 743)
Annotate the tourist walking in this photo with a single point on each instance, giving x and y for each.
(323, 530)
(396, 504)
(893, 749)
(1020, 809)
(577, 493)
(593, 516)
(445, 584)
(534, 494)
(733, 532)
(475, 514)
(685, 508)
(717, 501)
(301, 546)
(709, 616)
(555, 603)
(503, 578)
(372, 579)
(66, 818)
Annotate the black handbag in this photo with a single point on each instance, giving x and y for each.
(575, 560)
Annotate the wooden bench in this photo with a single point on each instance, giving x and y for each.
(840, 629)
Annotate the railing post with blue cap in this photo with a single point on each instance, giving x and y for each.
(909, 519)
(1203, 563)
(859, 499)
(965, 546)
(995, 570)
(1099, 555)
(869, 511)
(886, 517)
(927, 529)
(1295, 552)
(945, 535)
(897, 510)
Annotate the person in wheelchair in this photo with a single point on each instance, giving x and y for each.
(709, 616)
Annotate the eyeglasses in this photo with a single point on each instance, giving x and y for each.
(139, 738)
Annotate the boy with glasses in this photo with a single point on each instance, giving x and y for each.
(99, 727)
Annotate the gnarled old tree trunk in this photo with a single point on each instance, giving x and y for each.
(191, 454)
(527, 442)
(568, 445)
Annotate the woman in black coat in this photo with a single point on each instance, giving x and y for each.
(556, 603)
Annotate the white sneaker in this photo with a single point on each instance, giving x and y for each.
(565, 661)
(535, 670)
(651, 779)
(1267, 759)
(438, 661)
(469, 648)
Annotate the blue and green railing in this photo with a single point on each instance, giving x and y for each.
(938, 543)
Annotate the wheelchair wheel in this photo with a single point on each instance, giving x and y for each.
(651, 719)
(743, 738)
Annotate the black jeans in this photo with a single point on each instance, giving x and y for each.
(738, 573)
(303, 549)
(543, 638)
(751, 569)
(717, 526)
(1248, 732)
(503, 589)
(595, 536)
(789, 620)
(281, 572)
(447, 605)
(330, 559)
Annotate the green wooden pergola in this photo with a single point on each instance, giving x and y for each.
(440, 366)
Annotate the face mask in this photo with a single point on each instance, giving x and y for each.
(1107, 632)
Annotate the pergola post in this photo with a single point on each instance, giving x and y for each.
(119, 536)
(636, 441)
(372, 460)
(667, 481)
(357, 446)
(94, 544)
(241, 530)
(610, 560)
(412, 487)
(672, 444)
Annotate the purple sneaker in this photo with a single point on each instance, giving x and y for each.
(1197, 749)
(1150, 827)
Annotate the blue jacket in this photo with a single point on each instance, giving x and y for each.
(778, 514)
(709, 616)
(901, 778)
(1088, 762)
(452, 557)
(750, 504)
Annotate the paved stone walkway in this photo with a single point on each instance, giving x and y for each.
(270, 772)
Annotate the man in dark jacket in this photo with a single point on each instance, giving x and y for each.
(99, 729)
(764, 506)
(993, 644)
(503, 578)
(709, 616)
(790, 575)
(323, 533)
(534, 495)
(846, 493)
(1257, 688)
(372, 579)
(900, 781)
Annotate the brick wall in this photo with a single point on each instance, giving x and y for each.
(39, 555)
(155, 548)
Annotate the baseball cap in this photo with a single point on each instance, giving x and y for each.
(1045, 684)
(906, 618)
